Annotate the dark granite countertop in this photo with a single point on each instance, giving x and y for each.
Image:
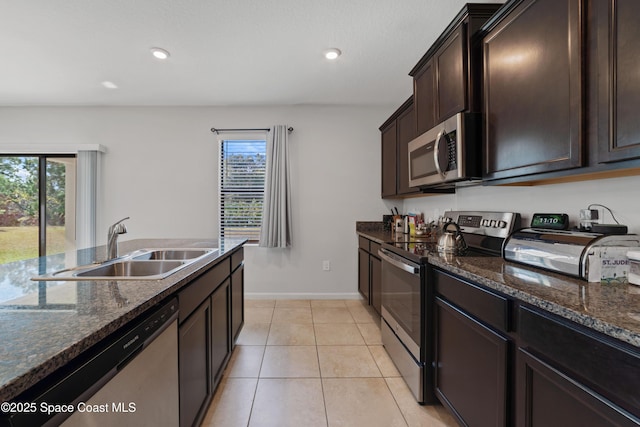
(46, 324)
(612, 309)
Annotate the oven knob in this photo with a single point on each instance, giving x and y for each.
(492, 223)
(502, 224)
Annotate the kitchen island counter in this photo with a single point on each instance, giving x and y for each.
(44, 325)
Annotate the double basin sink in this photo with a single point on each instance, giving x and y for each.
(143, 264)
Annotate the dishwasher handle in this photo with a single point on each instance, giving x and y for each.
(399, 262)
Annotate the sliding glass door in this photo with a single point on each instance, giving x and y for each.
(37, 206)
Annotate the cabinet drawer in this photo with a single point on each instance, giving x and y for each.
(236, 258)
(490, 308)
(196, 292)
(363, 243)
(600, 362)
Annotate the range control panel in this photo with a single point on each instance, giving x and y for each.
(495, 224)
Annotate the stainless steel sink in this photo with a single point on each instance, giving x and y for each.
(137, 269)
(143, 264)
(170, 254)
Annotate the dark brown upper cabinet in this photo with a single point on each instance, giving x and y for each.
(389, 158)
(424, 97)
(397, 132)
(533, 88)
(446, 80)
(616, 53)
(406, 127)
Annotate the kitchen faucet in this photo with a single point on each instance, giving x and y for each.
(112, 238)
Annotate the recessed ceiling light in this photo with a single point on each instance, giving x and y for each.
(332, 53)
(159, 53)
(109, 85)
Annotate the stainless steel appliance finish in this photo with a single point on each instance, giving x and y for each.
(562, 251)
(452, 242)
(485, 231)
(143, 264)
(129, 379)
(402, 320)
(447, 153)
(407, 325)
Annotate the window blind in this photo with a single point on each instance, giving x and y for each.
(242, 174)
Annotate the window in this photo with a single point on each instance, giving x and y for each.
(242, 174)
(37, 206)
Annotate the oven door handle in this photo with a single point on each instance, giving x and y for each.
(402, 264)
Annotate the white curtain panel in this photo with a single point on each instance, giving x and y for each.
(86, 195)
(276, 212)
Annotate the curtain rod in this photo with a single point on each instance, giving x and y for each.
(214, 130)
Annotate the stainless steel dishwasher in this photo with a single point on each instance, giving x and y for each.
(131, 380)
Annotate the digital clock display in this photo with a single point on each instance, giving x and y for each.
(550, 220)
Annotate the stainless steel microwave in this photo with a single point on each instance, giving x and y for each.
(449, 152)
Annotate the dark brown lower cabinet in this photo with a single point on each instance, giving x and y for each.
(363, 274)
(370, 273)
(220, 340)
(471, 363)
(501, 362)
(573, 376)
(194, 355)
(375, 276)
(211, 316)
(550, 397)
(237, 302)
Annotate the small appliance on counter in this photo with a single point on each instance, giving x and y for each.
(590, 256)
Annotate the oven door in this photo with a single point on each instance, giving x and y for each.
(402, 299)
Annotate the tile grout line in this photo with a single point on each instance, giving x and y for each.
(255, 391)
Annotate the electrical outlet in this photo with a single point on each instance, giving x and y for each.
(326, 265)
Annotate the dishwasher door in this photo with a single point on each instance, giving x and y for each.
(128, 379)
(144, 392)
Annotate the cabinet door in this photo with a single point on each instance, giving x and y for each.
(219, 330)
(363, 274)
(471, 368)
(194, 354)
(608, 366)
(619, 80)
(406, 126)
(424, 90)
(376, 283)
(451, 75)
(533, 90)
(237, 303)
(389, 161)
(548, 397)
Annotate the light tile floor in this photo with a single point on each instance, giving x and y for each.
(314, 363)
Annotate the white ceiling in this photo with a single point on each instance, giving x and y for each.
(223, 52)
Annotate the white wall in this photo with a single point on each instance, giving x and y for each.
(161, 170)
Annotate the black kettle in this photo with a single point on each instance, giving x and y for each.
(452, 241)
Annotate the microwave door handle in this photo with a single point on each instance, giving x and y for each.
(436, 152)
(409, 268)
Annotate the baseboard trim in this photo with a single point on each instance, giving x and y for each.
(260, 295)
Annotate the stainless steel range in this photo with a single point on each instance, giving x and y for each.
(407, 296)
